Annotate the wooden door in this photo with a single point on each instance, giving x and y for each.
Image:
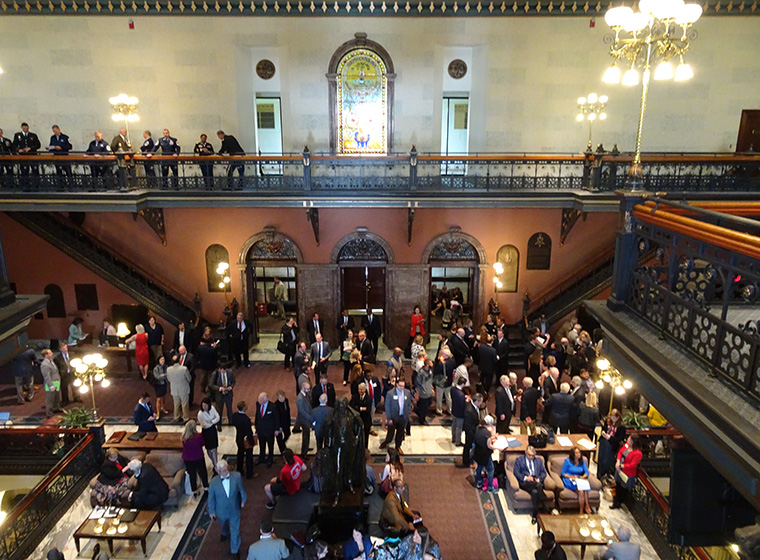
(353, 286)
(376, 287)
(252, 308)
(749, 132)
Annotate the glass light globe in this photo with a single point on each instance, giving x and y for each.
(603, 99)
(84, 389)
(116, 117)
(581, 100)
(88, 359)
(499, 285)
(606, 378)
(105, 383)
(219, 270)
(593, 98)
(664, 71)
(602, 116)
(683, 72)
(599, 384)
(620, 390)
(221, 285)
(668, 9)
(98, 378)
(636, 22)
(616, 17)
(226, 280)
(77, 382)
(132, 101)
(122, 330)
(688, 14)
(603, 363)
(627, 384)
(612, 74)
(82, 368)
(96, 357)
(498, 267)
(631, 78)
(75, 362)
(579, 118)
(101, 363)
(592, 116)
(495, 280)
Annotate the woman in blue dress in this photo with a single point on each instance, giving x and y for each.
(573, 469)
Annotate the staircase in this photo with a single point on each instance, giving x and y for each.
(567, 296)
(125, 275)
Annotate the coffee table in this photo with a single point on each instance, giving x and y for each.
(573, 529)
(137, 530)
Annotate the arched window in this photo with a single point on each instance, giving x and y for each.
(509, 257)
(215, 254)
(56, 309)
(361, 98)
(539, 252)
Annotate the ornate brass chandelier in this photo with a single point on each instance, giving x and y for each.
(652, 36)
(591, 108)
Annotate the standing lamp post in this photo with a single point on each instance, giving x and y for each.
(590, 109)
(124, 109)
(653, 36)
(612, 377)
(498, 269)
(89, 370)
(224, 280)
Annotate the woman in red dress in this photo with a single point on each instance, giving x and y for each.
(418, 322)
(142, 356)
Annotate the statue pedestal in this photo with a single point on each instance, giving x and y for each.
(337, 521)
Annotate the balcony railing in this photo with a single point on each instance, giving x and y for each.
(295, 174)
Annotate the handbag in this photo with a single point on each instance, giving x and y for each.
(281, 346)
(538, 440)
(386, 486)
(249, 443)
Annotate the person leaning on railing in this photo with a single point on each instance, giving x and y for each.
(231, 146)
(98, 148)
(6, 149)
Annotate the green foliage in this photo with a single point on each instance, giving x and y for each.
(77, 417)
(633, 419)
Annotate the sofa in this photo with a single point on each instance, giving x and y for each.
(568, 499)
(518, 499)
(169, 465)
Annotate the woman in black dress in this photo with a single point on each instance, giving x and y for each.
(160, 385)
(282, 406)
(613, 436)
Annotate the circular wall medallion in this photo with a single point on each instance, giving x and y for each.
(457, 68)
(265, 69)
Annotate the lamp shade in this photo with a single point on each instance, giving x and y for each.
(683, 72)
(631, 78)
(593, 98)
(664, 71)
(612, 74)
(689, 14)
(122, 330)
(636, 22)
(618, 17)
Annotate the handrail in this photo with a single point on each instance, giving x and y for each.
(683, 158)
(684, 209)
(31, 496)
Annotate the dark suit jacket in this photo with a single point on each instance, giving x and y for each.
(189, 362)
(237, 336)
(152, 490)
(140, 418)
(242, 423)
(529, 403)
(557, 554)
(459, 349)
(61, 363)
(358, 403)
(267, 425)
(320, 414)
(502, 349)
(368, 351)
(520, 469)
(31, 140)
(63, 142)
(503, 404)
(561, 406)
(343, 329)
(206, 357)
(231, 146)
(216, 382)
(471, 419)
(457, 403)
(377, 390)
(374, 329)
(316, 391)
(120, 143)
(313, 331)
(488, 360)
(444, 370)
(189, 341)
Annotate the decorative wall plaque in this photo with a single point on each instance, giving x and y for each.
(457, 68)
(539, 252)
(265, 69)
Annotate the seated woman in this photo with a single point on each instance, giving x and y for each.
(111, 485)
(359, 546)
(573, 469)
(418, 545)
(393, 470)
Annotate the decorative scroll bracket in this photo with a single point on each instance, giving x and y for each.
(312, 214)
(154, 217)
(569, 218)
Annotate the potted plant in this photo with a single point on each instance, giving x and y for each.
(77, 417)
(634, 420)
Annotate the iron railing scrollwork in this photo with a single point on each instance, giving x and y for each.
(35, 516)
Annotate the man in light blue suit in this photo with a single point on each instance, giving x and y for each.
(226, 497)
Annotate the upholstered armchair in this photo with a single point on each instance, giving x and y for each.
(568, 499)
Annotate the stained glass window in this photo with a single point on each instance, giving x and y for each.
(362, 103)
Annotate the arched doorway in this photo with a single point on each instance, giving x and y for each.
(264, 257)
(457, 263)
(362, 258)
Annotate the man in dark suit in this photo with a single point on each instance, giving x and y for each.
(221, 384)
(458, 402)
(151, 491)
(372, 326)
(244, 440)
(144, 417)
(26, 143)
(502, 349)
(549, 550)
(207, 361)
(458, 347)
(289, 333)
(147, 148)
(488, 362)
(320, 414)
(562, 409)
(374, 391)
(305, 419)
(267, 423)
(398, 410)
(319, 355)
(6, 149)
(551, 387)
(528, 400)
(231, 146)
(542, 324)
(505, 405)
(323, 387)
(300, 359)
(60, 146)
(345, 323)
(239, 333)
(368, 353)
(471, 421)
(530, 474)
(315, 326)
(62, 360)
(184, 337)
(185, 358)
(120, 142)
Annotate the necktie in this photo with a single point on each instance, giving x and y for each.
(316, 327)
(182, 361)
(263, 409)
(320, 350)
(240, 328)
(224, 379)
(530, 467)
(369, 386)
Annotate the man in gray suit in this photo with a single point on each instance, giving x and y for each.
(398, 409)
(179, 381)
(623, 550)
(268, 547)
(320, 354)
(306, 420)
(52, 381)
(320, 415)
(226, 498)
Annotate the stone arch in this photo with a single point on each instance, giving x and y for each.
(273, 246)
(359, 41)
(357, 236)
(452, 242)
